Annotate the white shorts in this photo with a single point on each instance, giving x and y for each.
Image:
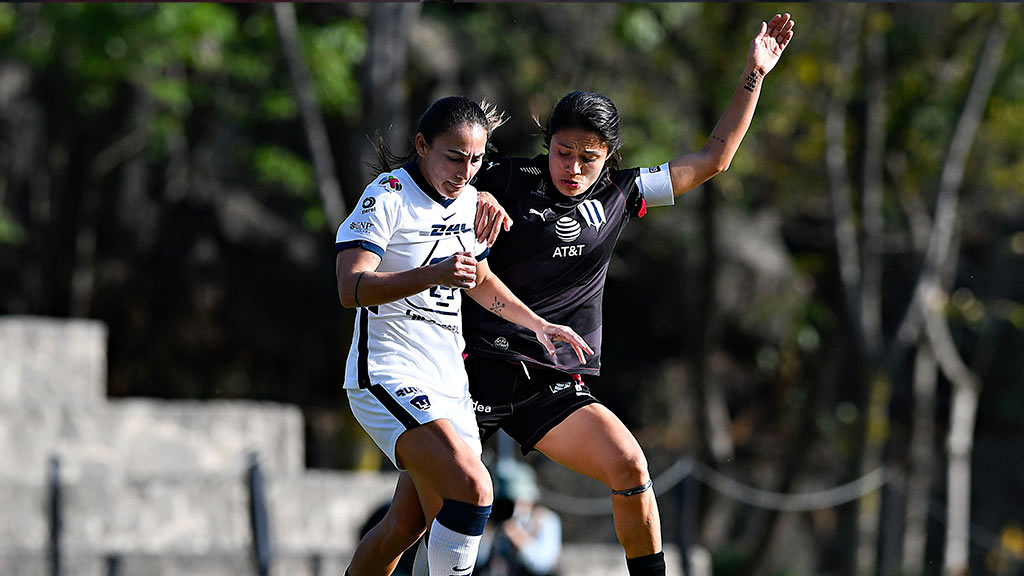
(386, 411)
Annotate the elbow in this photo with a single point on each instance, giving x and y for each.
(347, 295)
(714, 162)
(718, 164)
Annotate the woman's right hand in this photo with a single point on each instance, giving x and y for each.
(456, 271)
(490, 218)
(547, 333)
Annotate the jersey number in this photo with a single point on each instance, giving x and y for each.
(442, 296)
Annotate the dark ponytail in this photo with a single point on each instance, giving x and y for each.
(443, 116)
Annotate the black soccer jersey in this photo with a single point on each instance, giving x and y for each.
(555, 258)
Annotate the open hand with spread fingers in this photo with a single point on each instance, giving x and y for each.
(767, 46)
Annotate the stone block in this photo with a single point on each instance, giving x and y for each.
(170, 439)
(157, 516)
(24, 524)
(323, 511)
(50, 362)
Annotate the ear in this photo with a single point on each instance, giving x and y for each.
(421, 145)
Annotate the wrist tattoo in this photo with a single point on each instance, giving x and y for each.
(752, 79)
(497, 307)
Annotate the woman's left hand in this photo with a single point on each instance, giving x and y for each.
(490, 218)
(547, 333)
(767, 46)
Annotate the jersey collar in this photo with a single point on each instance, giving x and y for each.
(414, 170)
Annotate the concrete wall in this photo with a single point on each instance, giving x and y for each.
(160, 488)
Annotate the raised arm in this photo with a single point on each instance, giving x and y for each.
(766, 48)
(491, 293)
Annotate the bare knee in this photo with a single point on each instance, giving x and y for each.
(473, 487)
(628, 471)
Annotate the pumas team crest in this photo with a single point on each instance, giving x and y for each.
(422, 402)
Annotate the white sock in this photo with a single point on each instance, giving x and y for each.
(455, 538)
(419, 563)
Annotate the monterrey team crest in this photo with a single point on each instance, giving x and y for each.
(593, 213)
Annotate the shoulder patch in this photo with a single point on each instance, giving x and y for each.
(390, 182)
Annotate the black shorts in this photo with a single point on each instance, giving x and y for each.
(525, 402)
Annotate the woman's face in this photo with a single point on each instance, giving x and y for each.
(454, 157)
(576, 158)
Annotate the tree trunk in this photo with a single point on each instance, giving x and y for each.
(858, 552)
(312, 116)
(932, 298)
(879, 384)
(388, 63)
(922, 458)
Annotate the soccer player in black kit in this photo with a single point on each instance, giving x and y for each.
(570, 206)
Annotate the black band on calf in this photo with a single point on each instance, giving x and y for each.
(634, 491)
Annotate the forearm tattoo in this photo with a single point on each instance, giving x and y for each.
(718, 139)
(497, 307)
(752, 79)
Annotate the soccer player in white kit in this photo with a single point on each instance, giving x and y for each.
(570, 205)
(404, 257)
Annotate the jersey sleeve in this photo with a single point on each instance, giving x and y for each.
(649, 187)
(655, 184)
(371, 224)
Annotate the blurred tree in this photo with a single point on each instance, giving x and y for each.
(157, 172)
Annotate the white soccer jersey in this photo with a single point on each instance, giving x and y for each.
(414, 340)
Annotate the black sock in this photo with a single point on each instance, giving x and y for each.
(650, 565)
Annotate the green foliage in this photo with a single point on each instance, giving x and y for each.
(8, 21)
(10, 231)
(333, 52)
(218, 106)
(642, 29)
(279, 167)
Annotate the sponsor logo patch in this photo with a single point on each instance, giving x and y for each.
(567, 229)
(360, 226)
(407, 391)
(369, 205)
(563, 251)
(447, 229)
(559, 386)
(543, 213)
(501, 342)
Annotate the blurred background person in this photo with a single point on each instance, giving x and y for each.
(523, 538)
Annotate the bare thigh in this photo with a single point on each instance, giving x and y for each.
(442, 466)
(594, 442)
